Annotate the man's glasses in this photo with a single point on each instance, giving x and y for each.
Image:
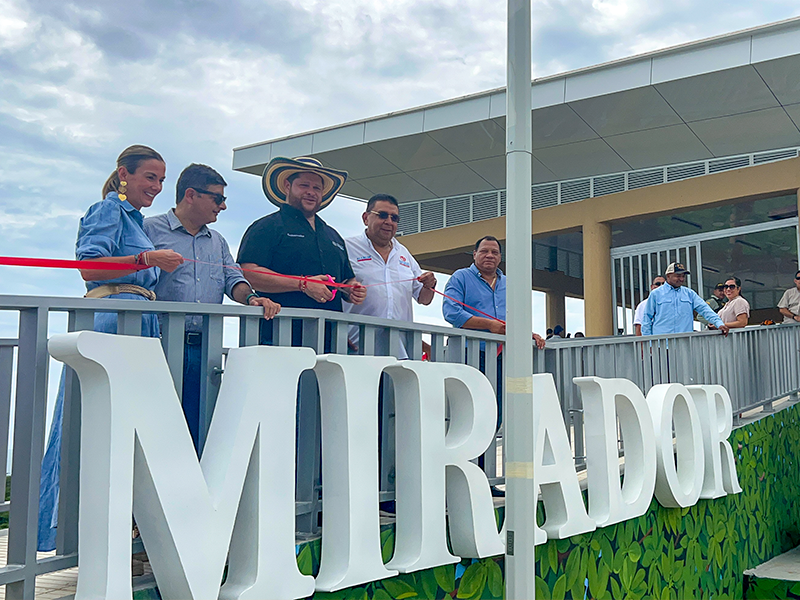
(383, 215)
(218, 198)
(729, 287)
(657, 283)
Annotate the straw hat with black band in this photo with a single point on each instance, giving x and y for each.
(281, 168)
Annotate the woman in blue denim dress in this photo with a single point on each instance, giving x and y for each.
(111, 230)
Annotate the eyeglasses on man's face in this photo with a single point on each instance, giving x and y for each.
(383, 215)
(658, 283)
(218, 198)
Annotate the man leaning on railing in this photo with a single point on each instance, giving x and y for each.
(670, 308)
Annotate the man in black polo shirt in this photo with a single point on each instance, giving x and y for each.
(295, 241)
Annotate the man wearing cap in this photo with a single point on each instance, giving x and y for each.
(378, 258)
(199, 200)
(638, 314)
(716, 302)
(670, 308)
(295, 241)
(718, 299)
(789, 304)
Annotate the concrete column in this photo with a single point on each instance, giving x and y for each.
(798, 226)
(597, 279)
(556, 309)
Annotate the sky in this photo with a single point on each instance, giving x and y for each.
(81, 81)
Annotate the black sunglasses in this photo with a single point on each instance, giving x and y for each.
(730, 287)
(218, 198)
(383, 215)
(658, 283)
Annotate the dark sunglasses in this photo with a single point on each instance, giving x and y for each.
(383, 215)
(218, 198)
(729, 287)
(658, 283)
(797, 278)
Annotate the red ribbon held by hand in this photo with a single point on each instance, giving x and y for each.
(55, 263)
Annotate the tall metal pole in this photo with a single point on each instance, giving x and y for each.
(518, 443)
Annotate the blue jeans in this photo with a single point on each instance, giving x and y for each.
(190, 397)
(51, 462)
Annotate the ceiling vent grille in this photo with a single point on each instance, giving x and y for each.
(457, 211)
(544, 195)
(432, 215)
(609, 184)
(678, 172)
(484, 206)
(763, 157)
(409, 219)
(726, 164)
(573, 191)
(502, 203)
(640, 179)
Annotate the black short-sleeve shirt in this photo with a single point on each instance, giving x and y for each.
(286, 243)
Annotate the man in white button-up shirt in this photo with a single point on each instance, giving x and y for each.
(378, 258)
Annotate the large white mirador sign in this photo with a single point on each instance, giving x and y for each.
(137, 457)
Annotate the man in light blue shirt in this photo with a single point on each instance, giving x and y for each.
(670, 308)
(199, 201)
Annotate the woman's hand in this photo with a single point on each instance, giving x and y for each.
(168, 260)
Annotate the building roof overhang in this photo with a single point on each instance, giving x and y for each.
(736, 93)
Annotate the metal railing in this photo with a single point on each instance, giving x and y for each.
(439, 213)
(757, 366)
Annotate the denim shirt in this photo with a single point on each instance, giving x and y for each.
(468, 286)
(671, 310)
(112, 227)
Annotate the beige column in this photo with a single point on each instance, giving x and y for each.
(556, 309)
(597, 279)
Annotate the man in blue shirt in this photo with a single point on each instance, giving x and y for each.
(670, 308)
(481, 286)
(199, 200)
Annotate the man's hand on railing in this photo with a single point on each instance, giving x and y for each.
(723, 328)
(539, 341)
(497, 327)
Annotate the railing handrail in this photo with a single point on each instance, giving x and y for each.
(59, 303)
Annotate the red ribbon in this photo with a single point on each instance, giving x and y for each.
(54, 263)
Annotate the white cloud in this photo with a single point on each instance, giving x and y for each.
(81, 81)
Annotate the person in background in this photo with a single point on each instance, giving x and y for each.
(716, 302)
(548, 334)
(670, 308)
(718, 298)
(376, 257)
(111, 231)
(789, 304)
(199, 200)
(657, 282)
(736, 311)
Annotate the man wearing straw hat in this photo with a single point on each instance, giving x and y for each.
(296, 241)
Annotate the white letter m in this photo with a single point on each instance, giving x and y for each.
(137, 456)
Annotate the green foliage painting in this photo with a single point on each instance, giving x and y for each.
(697, 552)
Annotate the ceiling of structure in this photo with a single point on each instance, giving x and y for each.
(735, 94)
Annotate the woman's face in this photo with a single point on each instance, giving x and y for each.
(731, 289)
(145, 183)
